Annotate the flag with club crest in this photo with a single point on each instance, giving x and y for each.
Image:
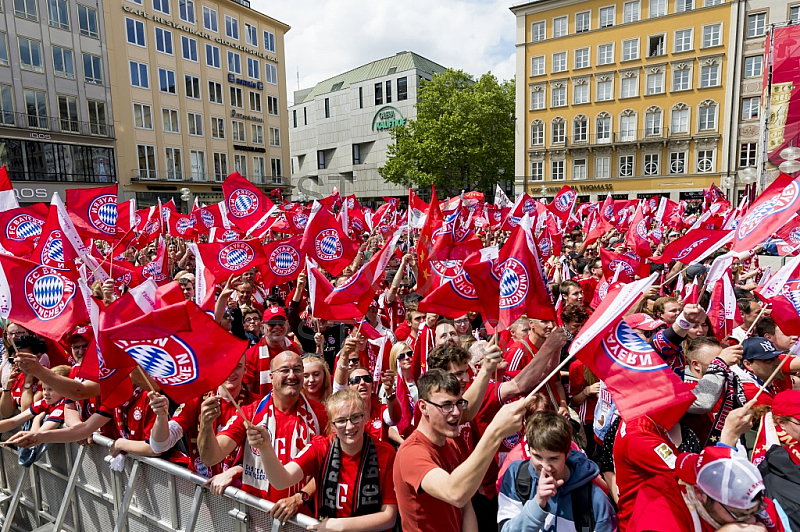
(456, 239)
(563, 203)
(158, 268)
(694, 246)
(319, 288)
(285, 259)
(524, 205)
(49, 250)
(94, 211)
(326, 242)
(723, 312)
(782, 292)
(454, 297)
(208, 217)
(21, 228)
(637, 238)
(231, 258)
(247, 207)
(624, 266)
(771, 211)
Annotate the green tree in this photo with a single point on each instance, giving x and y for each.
(461, 139)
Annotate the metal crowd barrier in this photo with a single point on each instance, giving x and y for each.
(72, 488)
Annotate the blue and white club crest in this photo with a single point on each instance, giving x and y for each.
(327, 245)
(788, 198)
(207, 218)
(168, 361)
(565, 200)
(626, 348)
(514, 284)
(236, 255)
(53, 251)
(23, 226)
(284, 260)
(242, 203)
(103, 213)
(691, 247)
(528, 206)
(48, 292)
(184, 224)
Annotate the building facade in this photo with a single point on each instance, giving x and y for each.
(56, 119)
(199, 92)
(623, 97)
(339, 130)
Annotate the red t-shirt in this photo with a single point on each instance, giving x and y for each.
(375, 425)
(577, 383)
(641, 451)
(395, 311)
(134, 419)
(312, 461)
(418, 510)
(403, 333)
(257, 375)
(518, 355)
(54, 412)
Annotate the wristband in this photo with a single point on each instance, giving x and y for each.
(683, 323)
(342, 367)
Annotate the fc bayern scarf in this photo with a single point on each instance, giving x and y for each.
(368, 483)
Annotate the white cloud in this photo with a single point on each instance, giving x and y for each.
(329, 37)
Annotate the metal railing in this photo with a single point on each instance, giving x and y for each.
(72, 488)
(55, 124)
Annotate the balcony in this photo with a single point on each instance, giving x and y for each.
(639, 136)
(55, 125)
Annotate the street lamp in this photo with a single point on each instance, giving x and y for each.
(186, 195)
(543, 190)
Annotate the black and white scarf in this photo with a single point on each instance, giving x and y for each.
(733, 397)
(368, 484)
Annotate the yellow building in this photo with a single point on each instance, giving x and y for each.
(198, 91)
(628, 98)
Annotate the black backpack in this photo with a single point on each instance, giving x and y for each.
(581, 498)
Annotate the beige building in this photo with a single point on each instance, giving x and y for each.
(198, 89)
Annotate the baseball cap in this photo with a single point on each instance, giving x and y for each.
(643, 322)
(274, 313)
(84, 333)
(787, 403)
(696, 270)
(723, 475)
(759, 348)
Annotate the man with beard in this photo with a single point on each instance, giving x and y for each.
(274, 342)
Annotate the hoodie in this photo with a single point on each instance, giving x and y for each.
(518, 516)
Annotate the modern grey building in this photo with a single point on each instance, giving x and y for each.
(339, 130)
(56, 124)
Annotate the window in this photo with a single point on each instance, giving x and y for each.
(580, 94)
(197, 164)
(655, 83)
(189, 47)
(753, 66)
(139, 77)
(630, 12)
(237, 131)
(276, 166)
(707, 3)
(747, 154)
(174, 164)
(212, 56)
(134, 30)
(709, 76)
(677, 162)
(63, 62)
(255, 101)
(97, 118)
(232, 27)
(756, 24)
(147, 161)
(186, 10)
(87, 21)
(560, 26)
(253, 68)
(162, 6)
(630, 49)
(256, 133)
(537, 133)
(26, 9)
(220, 167)
(68, 113)
(582, 58)
(630, 86)
(603, 129)
(605, 89)
(389, 91)
(210, 19)
(681, 80)
(658, 8)
(240, 164)
(583, 21)
(602, 167)
(707, 117)
(712, 35)
(92, 69)
(652, 164)
(683, 40)
(559, 62)
(626, 165)
(537, 171)
(559, 97)
(627, 128)
(750, 108)
(195, 124)
(656, 45)
(557, 170)
(192, 86)
(402, 87)
(705, 161)
(215, 92)
(305, 117)
(30, 55)
(652, 122)
(274, 136)
(682, 6)
(234, 63)
(327, 107)
(164, 41)
(269, 41)
(538, 31)
(3, 50)
(379, 94)
(237, 98)
(559, 131)
(580, 129)
(294, 114)
(794, 14)
(142, 116)
(59, 13)
(607, 15)
(170, 121)
(680, 121)
(217, 127)
(251, 35)
(320, 160)
(537, 98)
(166, 80)
(259, 170)
(272, 74)
(579, 169)
(605, 54)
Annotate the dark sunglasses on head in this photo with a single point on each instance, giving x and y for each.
(354, 381)
(408, 354)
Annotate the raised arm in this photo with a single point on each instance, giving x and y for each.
(537, 369)
(64, 386)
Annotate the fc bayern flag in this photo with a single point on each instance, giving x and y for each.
(179, 346)
(285, 260)
(208, 217)
(563, 203)
(50, 248)
(320, 288)
(427, 280)
(297, 219)
(524, 205)
(637, 237)
(694, 246)
(631, 265)
(231, 258)
(158, 268)
(416, 210)
(40, 298)
(20, 228)
(640, 382)
(94, 211)
(247, 206)
(456, 240)
(782, 291)
(326, 242)
(454, 297)
(483, 269)
(771, 210)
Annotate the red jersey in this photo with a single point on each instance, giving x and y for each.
(520, 354)
(312, 460)
(257, 373)
(54, 412)
(375, 425)
(394, 311)
(577, 383)
(134, 419)
(402, 332)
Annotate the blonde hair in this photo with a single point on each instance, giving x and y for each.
(327, 388)
(341, 398)
(62, 370)
(397, 348)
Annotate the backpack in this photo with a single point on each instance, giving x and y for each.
(581, 498)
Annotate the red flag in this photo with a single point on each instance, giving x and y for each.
(231, 258)
(297, 219)
(637, 238)
(596, 226)
(50, 248)
(284, 261)
(790, 233)
(158, 268)
(692, 293)
(723, 312)
(22, 227)
(782, 291)
(115, 386)
(607, 209)
(456, 240)
(181, 225)
(247, 206)
(628, 366)
(524, 205)
(694, 246)
(563, 203)
(454, 297)
(208, 217)
(149, 225)
(318, 289)
(351, 216)
(416, 210)
(549, 241)
(326, 242)
(484, 271)
(8, 201)
(426, 280)
(630, 264)
(385, 215)
(94, 211)
(771, 210)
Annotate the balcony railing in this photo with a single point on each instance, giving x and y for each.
(639, 135)
(173, 177)
(55, 124)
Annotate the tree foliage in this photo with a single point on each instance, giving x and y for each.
(461, 139)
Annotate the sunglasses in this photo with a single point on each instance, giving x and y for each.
(741, 518)
(353, 361)
(354, 381)
(407, 354)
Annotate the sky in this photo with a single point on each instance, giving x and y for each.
(328, 37)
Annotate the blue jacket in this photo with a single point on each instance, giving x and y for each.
(518, 516)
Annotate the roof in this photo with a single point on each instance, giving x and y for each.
(400, 62)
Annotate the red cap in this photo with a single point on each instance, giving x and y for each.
(723, 475)
(81, 332)
(643, 322)
(273, 313)
(787, 404)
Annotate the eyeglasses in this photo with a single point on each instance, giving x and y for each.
(461, 322)
(407, 354)
(280, 323)
(740, 518)
(355, 419)
(358, 378)
(284, 372)
(448, 408)
(251, 320)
